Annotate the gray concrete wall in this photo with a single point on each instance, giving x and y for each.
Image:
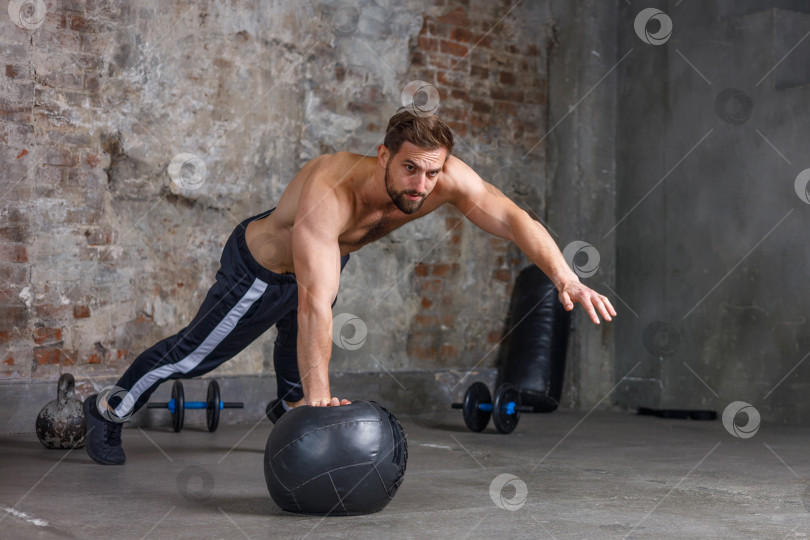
(710, 236)
(582, 176)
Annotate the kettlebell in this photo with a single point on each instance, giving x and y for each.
(60, 423)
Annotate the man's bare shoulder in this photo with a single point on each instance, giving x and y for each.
(457, 178)
(328, 185)
(339, 161)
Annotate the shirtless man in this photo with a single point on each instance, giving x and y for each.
(283, 267)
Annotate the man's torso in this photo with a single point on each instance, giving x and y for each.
(270, 238)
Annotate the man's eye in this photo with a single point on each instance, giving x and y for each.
(409, 167)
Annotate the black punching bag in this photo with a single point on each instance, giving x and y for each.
(535, 351)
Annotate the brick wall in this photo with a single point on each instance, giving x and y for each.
(101, 255)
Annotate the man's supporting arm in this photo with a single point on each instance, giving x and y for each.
(316, 256)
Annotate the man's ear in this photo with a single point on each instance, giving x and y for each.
(382, 155)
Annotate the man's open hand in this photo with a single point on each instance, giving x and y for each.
(574, 291)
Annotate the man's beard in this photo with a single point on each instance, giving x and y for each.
(400, 199)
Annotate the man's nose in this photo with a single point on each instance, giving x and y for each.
(421, 183)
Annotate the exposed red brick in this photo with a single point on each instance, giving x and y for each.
(506, 95)
(9, 361)
(22, 154)
(462, 95)
(480, 73)
(81, 312)
(507, 78)
(539, 98)
(457, 17)
(13, 253)
(422, 352)
(5, 336)
(452, 78)
(83, 24)
(494, 337)
(11, 71)
(426, 303)
(12, 316)
(481, 107)
(14, 233)
(533, 50)
(440, 61)
(420, 269)
(448, 351)
(506, 109)
(451, 47)
(52, 312)
(461, 34)
(16, 113)
(451, 223)
(455, 114)
(92, 160)
(426, 320)
(502, 274)
(51, 355)
(439, 30)
(459, 128)
(45, 334)
(428, 44)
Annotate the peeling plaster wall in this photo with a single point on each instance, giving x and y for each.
(103, 255)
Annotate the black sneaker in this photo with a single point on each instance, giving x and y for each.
(274, 410)
(103, 443)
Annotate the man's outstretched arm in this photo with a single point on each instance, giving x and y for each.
(488, 208)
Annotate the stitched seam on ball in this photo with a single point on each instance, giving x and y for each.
(379, 440)
(338, 424)
(382, 482)
(331, 471)
(337, 493)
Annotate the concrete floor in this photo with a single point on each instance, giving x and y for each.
(603, 475)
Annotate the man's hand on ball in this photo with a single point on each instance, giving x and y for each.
(326, 402)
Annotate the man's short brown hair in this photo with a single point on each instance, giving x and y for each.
(425, 131)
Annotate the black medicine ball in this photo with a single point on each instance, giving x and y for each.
(337, 461)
